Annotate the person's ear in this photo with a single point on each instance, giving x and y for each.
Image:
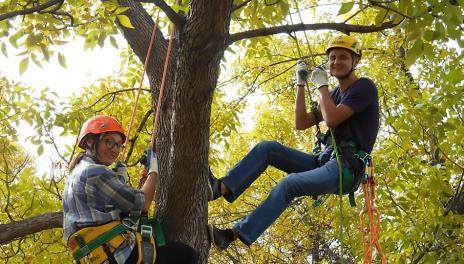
(356, 60)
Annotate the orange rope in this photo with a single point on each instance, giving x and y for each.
(163, 84)
(147, 58)
(368, 188)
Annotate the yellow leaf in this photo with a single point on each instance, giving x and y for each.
(62, 60)
(23, 66)
(125, 21)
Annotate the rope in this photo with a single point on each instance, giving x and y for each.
(340, 192)
(147, 59)
(339, 163)
(163, 84)
(368, 188)
(313, 104)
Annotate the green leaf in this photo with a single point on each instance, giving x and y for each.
(381, 15)
(101, 39)
(110, 6)
(62, 60)
(178, 8)
(121, 10)
(40, 150)
(45, 52)
(113, 42)
(414, 52)
(35, 60)
(23, 65)
(4, 50)
(125, 21)
(345, 8)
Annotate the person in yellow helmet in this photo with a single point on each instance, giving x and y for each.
(351, 109)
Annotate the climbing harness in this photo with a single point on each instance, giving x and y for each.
(96, 244)
(373, 215)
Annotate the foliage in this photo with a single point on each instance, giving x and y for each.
(418, 155)
(417, 67)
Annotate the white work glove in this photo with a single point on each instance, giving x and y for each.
(301, 72)
(319, 77)
(121, 170)
(152, 161)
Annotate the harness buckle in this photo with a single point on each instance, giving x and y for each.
(146, 231)
(130, 223)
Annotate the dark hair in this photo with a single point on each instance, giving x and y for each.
(75, 161)
(80, 155)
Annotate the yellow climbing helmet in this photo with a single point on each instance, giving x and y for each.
(346, 42)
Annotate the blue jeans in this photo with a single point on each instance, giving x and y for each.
(306, 177)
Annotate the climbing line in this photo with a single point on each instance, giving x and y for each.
(339, 163)
(163, 84)
(340, 192)
(147, 59)
(312, 103)
(368, 189)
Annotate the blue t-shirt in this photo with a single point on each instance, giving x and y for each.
(362, 127)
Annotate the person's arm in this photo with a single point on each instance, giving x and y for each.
(332, 114)
(148, 189)
(303, 119)
(149, 186)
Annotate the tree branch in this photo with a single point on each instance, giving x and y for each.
(112, 94)
(35, 9)
(346, 28)
(15, 230)
(134, 138)
(175, 18)
(238, 6)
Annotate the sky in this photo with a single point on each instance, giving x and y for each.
(83, 68)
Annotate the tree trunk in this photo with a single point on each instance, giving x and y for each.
(183, 134)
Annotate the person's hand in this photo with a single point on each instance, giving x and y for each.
(152, 161)
(301, 72)
(319, 77)
(121, 170)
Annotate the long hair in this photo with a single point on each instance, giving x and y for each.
(91, 151)
(75, 161)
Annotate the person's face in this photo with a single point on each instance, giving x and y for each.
(108, 148)
(341, 62)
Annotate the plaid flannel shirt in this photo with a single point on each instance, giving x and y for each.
(95, 195)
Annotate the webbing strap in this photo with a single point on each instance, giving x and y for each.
(85, 249)
(159, 234)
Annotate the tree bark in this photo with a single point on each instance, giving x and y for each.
(183, 134)
(18, 229)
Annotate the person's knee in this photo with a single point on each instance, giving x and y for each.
(287, 186)
(267, 146)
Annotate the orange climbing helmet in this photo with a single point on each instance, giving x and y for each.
(346, 42)
(97, 125)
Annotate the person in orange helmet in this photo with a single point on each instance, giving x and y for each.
(96, 197)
